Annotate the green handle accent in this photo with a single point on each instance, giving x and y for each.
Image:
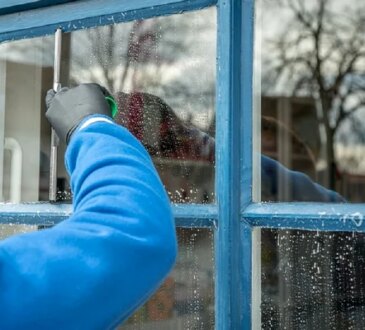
(113, 105)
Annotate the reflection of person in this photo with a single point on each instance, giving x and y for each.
(278, 183)
(301, 188)
(156, 125)
(94, 269)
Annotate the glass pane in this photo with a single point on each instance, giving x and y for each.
(162, 74)
(312, 280)
(312, 100)
(186, 299)
(13, 229)
(25, 76)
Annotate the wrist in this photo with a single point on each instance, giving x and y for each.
(86, 122)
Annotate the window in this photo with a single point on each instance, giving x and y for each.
(161, 72)
(237, 125)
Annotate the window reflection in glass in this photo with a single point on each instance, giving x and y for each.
(312, 280)
(313, 100)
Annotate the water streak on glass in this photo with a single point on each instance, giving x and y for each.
(312, 280)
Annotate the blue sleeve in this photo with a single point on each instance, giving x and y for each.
(94, 269)
(301, 187)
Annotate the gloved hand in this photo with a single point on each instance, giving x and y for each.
(68, 107)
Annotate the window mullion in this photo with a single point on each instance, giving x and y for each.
(233, 240)
(186, 216)
(306, 216)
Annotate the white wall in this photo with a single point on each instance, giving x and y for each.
(22, 122)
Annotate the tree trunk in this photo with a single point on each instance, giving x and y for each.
(326, 103)
(331, 160)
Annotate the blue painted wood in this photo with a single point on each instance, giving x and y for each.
(13, 6)
(34, 213)
(195, 216)
(246, 90)
(234, 163)
(83, 14)
(245, 273)
(307, 216)
(246, 162)
(186, 216)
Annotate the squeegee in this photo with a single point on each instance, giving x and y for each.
(54, 137)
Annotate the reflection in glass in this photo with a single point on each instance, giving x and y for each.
(312, 280)
(162, 74)
(313, 98)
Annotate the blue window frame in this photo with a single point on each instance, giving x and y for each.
(234, 217)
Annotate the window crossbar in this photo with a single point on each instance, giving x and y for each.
(85, 14)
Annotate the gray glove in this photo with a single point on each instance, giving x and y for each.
(68, 107)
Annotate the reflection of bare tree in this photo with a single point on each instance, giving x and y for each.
(126, 56)
(321, 53)
(162, 56)
(97, 50)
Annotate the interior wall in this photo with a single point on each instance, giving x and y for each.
(22, 122)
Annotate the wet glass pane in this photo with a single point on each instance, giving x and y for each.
(162, 74)
(312, 56)
(186, 299)
(312, 280)
(7, 230)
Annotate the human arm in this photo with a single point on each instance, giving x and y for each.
(94, 269)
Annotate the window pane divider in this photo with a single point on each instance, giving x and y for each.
(13, 6)
(34, 213)
(233, 239)
(306, 216)
(40, 213)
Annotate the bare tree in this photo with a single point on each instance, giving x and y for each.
(321, 53)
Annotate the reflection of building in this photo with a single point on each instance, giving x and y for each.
(292, 137)
(352, 171)
(353, 187)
